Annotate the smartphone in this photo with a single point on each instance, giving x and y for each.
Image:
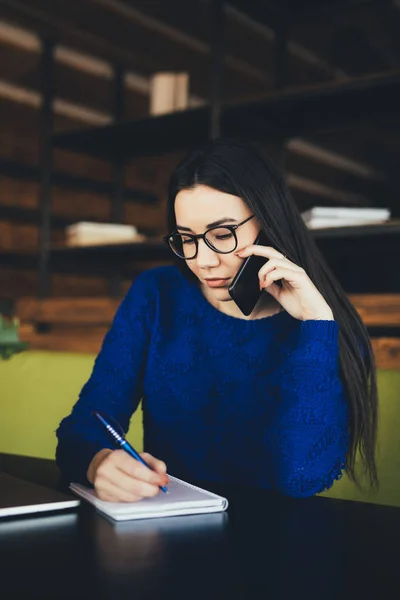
(245, 287)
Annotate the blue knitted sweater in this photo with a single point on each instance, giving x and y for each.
(250, 402)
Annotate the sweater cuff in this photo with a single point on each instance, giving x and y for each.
(319, 337)
(326, 331)
(74, 460)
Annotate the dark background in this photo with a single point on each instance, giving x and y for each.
(317, 82)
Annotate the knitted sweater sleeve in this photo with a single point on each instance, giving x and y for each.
(308, 433)
(114, 387)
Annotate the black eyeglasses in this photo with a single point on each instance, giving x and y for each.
(221, 239)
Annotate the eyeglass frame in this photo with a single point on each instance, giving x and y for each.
(202, 236)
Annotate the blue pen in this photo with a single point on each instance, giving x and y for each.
(123, 443)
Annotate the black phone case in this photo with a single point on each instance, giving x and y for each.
(245, 287)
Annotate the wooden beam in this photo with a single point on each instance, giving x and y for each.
(64, 108)
(73, 311)
(375, 309)
(80, 324)
(77, 339)
(387, 353)
(378, 310)
(320, 190)
(378, 191)
(332, 159)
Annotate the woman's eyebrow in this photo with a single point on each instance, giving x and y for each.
(215, 224)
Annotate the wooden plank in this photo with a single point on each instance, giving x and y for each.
(79, 324)
(378, 309)
(73, 311)
(82, 340)
(22, 283)
(375, 309)
(387, 352)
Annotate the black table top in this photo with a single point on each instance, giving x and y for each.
(264, 546)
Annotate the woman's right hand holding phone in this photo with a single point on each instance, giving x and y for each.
(118, 477)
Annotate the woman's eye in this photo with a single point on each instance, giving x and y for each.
(188, 241)
(224, 237)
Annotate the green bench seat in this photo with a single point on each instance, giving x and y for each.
(37, 389)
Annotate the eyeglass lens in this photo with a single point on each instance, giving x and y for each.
(221, 239)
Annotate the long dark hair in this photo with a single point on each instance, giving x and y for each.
(241, 168)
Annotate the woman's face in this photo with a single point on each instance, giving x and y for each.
(196, 210)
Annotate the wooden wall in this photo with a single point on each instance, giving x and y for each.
(20, 128)
(19, 144)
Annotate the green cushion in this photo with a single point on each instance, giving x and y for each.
(39, 388)
(388, 453)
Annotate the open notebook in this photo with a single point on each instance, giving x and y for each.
(181, 499)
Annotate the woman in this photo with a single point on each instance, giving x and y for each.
(282, 399)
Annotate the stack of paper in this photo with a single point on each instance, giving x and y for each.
(334, 216)
(94, 234)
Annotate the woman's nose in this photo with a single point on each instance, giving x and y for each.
(206, 257)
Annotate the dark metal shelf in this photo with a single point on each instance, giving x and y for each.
(23, 259)
(90, 260)
(107, 259)
(151, 250)
(32, 216)
(354, 231)
(154, 249)
(73, 182)
(292, 112)
(360, 257)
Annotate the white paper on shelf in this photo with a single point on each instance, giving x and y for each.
(328, 223)
(349, 213)
(100, 240)
(87, 227)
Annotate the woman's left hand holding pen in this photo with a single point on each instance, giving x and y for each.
(118, 477)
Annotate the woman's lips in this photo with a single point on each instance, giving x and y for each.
(216, 283)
